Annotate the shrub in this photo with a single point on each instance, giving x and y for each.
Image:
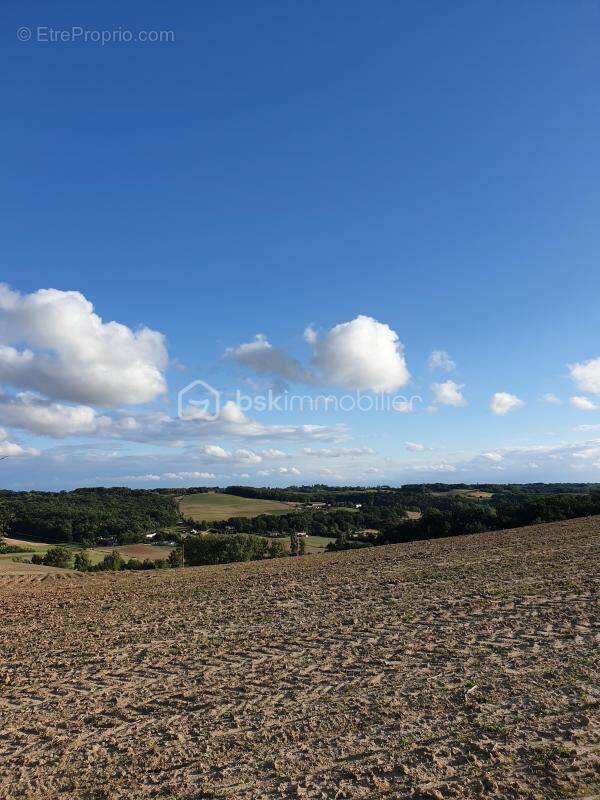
(277, 549)
(175, 558)
(58, 557)
(5, 549)
(112, 562)
(83, 562)
(133, 563)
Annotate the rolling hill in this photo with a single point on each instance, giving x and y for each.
(463, 667)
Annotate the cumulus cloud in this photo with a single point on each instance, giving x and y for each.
(586, 376)
(439, 359)
(241, 455)
(279, 471)
(583, 403)
(232, 414)
(13, 449)
(42, 417)
(414, 447)
(503, 402)
(52, 342)
(260, 356)
(448, 393)
(216, 451)
(273, 453)
(361, 354)
(290, 470)
(590, 451)
(492, 456)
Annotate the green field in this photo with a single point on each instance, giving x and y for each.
(41, 549)
(213, 506)
(315, 544)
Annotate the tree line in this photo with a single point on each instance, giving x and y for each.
(445, 511)
(86, 515)
(504, 511)
(194, 551)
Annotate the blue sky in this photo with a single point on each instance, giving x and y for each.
(431, 168)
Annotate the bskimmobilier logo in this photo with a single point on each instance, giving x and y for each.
(199, 401)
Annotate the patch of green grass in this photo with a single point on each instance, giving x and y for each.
(550, 753)
(494, 728)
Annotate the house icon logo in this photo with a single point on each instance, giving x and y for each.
(199, 401)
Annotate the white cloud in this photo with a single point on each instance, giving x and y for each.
(71, 354)
(216, 451)
(231, 421)
(44, 418)
(181, 476)
(261, 357)
(591, 451)
(448, 393)
(503, 402)
(246, 457)
(13, 449)
(279, 471)
(492, 456)
(272, 453)
(233, 414)
(414, 447)
(310, 334)
(242, 456)
(433, 468)
(439, 359)
(552, 399)
(149, 477)
(339, 452)
(361, 354)
(586, 376)
(583, 403)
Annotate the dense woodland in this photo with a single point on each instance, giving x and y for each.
(447, 510)
(87, 515)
